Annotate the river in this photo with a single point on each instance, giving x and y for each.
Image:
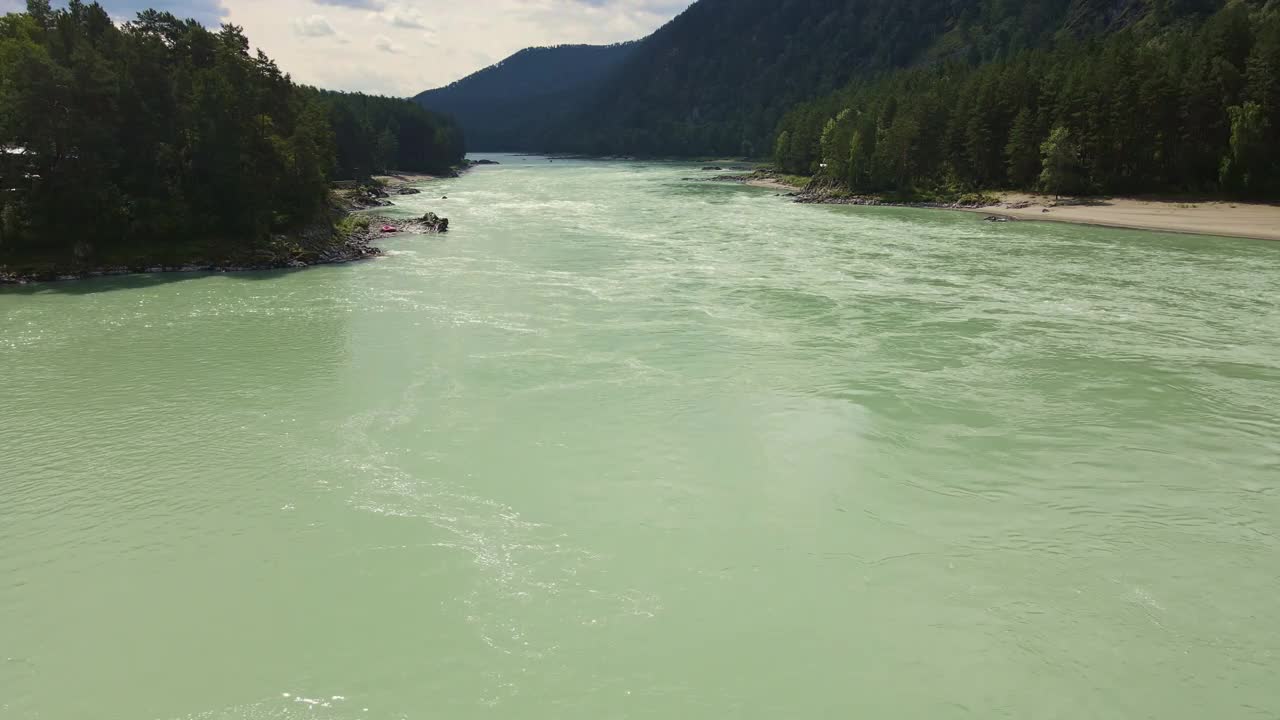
(626, 446)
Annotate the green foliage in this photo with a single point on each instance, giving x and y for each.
(1023, 164)
(795, 180)
(353, 223)
(1189, 107)
(976, 199)
(379, 134)
(1061, 171)
(1247, 164)
(142, 139)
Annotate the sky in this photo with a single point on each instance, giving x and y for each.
(402, 47)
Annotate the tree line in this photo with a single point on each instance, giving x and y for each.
(374, 134)
(160, 134)
(1176, 103)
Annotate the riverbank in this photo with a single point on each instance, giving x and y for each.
(1257, 221)
(767, 179)
(1228, 219)
(349, 238)
(279, 253)
(396, 180)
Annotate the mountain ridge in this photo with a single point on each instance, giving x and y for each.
(507, 105)
(719, 77)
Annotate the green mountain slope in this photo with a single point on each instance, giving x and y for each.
(513, 104)
(719, 77)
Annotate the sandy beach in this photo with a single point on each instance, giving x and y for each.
(1259, 221)
(1230, 219)
(398, 179)
(772, 185)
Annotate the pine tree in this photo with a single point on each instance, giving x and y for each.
(1061, 168)
(1023, 150)
(1245, 165)
(782, 151)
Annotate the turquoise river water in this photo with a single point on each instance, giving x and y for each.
(626, 446)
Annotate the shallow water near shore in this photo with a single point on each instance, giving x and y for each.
(625, 446)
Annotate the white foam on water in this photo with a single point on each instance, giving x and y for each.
(522, 563)
(289, 706)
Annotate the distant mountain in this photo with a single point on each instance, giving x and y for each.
(718, 78)
(513, 104)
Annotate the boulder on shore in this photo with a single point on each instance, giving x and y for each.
(369, 196)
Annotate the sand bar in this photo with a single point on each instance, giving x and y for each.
(1230, 219)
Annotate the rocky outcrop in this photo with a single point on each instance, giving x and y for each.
(368, 196)
(826, 192)
(407, 191)
(809, 198)
(373, 226)
(722, 178)
(485, 162)
(435, 223)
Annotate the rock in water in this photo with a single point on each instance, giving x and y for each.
(435, 223)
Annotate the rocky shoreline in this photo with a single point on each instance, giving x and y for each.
(353, 247)
(819, 193)
(806, 198)
(368, 228)
(349, 238)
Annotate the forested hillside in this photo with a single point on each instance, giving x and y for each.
(1178, 102)
(514, 104)
(159, 137)
(718, 78)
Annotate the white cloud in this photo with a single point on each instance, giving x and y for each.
(440, 40)
(384, 43)
(361, 4)
(405, 17)
(313, 26)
